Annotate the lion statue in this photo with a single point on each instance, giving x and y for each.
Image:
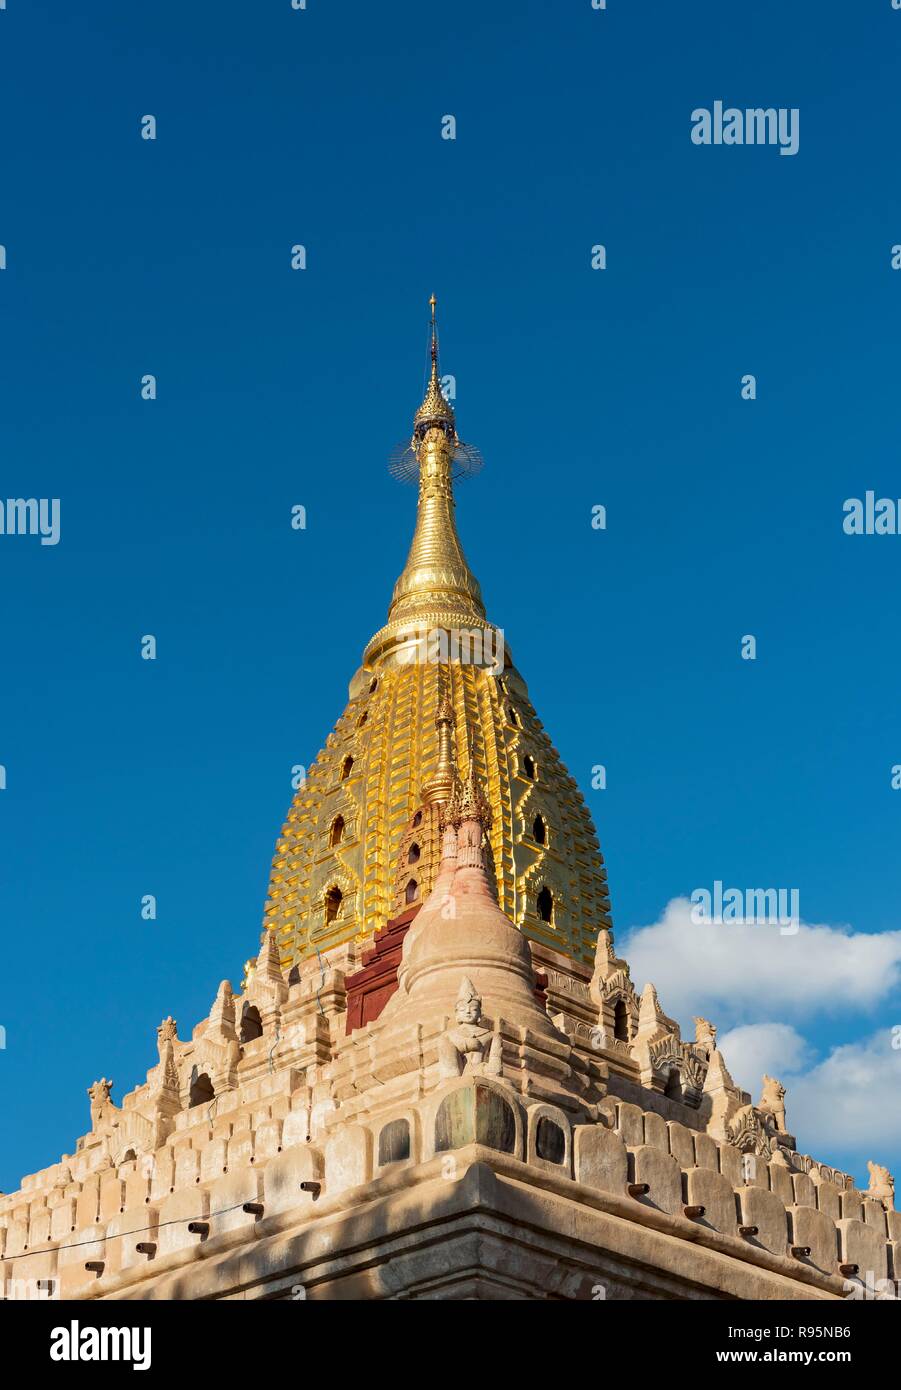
(772, 1102)
(882, 1186)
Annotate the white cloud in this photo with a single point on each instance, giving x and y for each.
(755, 972)
(850, 1099)
(774, 1049)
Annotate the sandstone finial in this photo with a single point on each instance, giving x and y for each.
(167, 1031)
(269, 965)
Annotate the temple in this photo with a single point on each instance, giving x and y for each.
(437, 1078)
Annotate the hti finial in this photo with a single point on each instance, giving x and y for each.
(435, 409)
(434, 349)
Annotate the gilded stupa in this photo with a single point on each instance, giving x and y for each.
(361, 839)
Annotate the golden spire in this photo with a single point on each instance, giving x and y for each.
(437, 586)
(444, 783)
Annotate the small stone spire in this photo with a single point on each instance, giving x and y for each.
(164, 1087)
(473, 806)
(221, 1021)
(473, 818)
(718, 1077)
(652, 1021)
(269, 965)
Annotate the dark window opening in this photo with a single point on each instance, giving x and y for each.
(412, 892)
(621, 1020)
(251, 1024)
(201, 1090)
(674, 1084)
(539, 830)
(413, 854)
(475, 1115)
(346, 767)
(337, 831)
(332, 904)
(545, 904)
(417, 819)
(528, 767)
(550, 1141)
(394, 1142)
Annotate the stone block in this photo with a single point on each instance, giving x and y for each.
(41, 1265)
(296, 1129)
(213, 1160)
(829, 1200)
(39, 1228)
(716, 1194)
(764, 1210)
(88, 1204)
(874, 1215)
(655, 1131)
(268, 1140)
(240, 1149)
(852, 1205)
(187, 1168)
(348, 1159)
(162, 1180)
(64, 1220)
(126, 1232)
(663, 1176)
(805, 1192)
(815, 1229)
(630, 1124)
(227, 1196)
(16, 1238)
(283, 1175)
(87, 1244)
(706, 1152)
(681, 1144)
(731, 1164)
(137, 1187)
(189, 1204)
(112, 1196)
(862, 1245)
(601, 1160)
(781, 1182)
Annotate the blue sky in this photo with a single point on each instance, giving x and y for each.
(618, 387)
